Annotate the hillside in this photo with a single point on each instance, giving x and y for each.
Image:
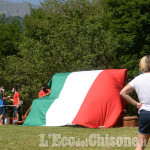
(15, 9)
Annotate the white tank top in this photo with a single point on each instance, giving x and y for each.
(141, 84)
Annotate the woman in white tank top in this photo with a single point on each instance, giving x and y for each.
(141, 84)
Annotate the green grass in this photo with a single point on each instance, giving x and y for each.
(28, 138)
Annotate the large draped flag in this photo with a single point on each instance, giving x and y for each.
(87, 98)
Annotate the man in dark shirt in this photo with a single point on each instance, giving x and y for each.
(2, 108)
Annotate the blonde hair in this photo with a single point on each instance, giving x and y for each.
(145, 64)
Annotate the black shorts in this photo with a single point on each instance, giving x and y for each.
(144, 122)
(2, 110)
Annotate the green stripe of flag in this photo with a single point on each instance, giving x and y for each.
(37, 114)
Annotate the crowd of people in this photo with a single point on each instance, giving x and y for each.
(16, 100)
(3, 104)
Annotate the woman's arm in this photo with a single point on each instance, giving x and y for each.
(125, 95)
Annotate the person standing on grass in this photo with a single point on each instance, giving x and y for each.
(2, 108)
(44, 91)
(16, 100)
(141, 84)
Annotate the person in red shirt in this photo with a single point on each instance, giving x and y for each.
(16, 100)
(44, 91)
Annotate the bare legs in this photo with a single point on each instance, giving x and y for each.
(17, 116)
(1, 116)
(142, 141)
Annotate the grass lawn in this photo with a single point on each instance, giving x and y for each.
(14, 137)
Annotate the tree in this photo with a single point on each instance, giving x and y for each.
(10, 36)
(60, 36)
(129, 26)
(9, 39)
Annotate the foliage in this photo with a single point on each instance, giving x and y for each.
(58, 37)
(10, 36)
(129, 25)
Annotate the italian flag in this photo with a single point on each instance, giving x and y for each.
(88, 98)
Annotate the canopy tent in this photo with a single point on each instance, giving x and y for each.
(88, 98)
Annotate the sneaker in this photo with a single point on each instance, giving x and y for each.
(1, 123)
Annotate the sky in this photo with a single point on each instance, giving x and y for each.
(29, 1)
